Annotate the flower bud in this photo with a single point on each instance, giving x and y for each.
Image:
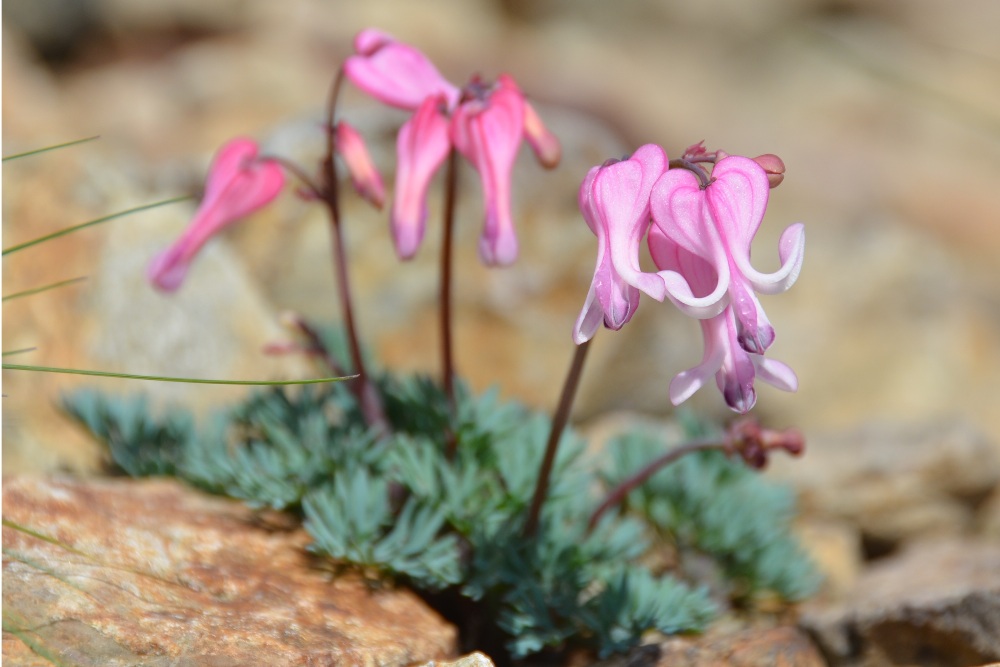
(774, 167)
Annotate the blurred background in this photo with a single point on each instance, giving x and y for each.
(886, 113)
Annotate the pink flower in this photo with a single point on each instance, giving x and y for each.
(717, 223)
(486, 123)
(238, 184)
(614, 200)
(364, 176)
(725, 357)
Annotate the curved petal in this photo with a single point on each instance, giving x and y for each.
(585, 200)
(736, 376)
(692, 283)
(488, 133)
(621, 199)
(589, 319)
(791, 251)
(685, 384)
(394, 73)
(776, 374)
(737, 198)
(753, 330)
(421, 147)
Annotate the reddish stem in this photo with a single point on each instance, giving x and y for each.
(619, 492)
(559, 420)
(368, 398)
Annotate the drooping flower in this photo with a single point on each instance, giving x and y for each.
(485, 123)
(365, 178)
(717, 223)
(725, 357)
(238, 184)
(614, 200)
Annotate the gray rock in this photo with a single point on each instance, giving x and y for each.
(937, 604)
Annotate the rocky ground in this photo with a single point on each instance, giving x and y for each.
(886, 113)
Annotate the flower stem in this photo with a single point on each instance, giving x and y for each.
(368, 398)
(619, 492)
(447, 358)
(559, 420)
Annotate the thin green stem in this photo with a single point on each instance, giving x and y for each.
(46, 149)
(559, 420)
(160, 378)
(70, 230)
(43, 288)
(23, 350)
(619, 492)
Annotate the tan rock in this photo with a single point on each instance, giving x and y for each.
(760, 647)
(127, 572)
(896, 481)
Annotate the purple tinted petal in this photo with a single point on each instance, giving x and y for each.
(776, 374)
(421, 147)
(736, 376)
(685, 384)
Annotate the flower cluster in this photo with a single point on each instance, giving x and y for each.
(699, 229)
(484, 122)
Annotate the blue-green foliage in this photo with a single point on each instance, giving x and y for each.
(710, 503)
(139, 443)
(397, 506)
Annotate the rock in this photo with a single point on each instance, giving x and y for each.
(116, 572)
(896, 481)
(764, 647)
(475, 659)
(936, 604)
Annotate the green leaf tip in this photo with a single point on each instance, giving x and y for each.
(44, 288)
(163, 378)
(46, 149)
(90, 223)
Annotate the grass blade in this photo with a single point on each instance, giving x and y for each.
(21, 351)
(161, 378)
(43, 288)
(70, 230)
(36, 151)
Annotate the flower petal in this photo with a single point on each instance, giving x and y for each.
(364, 176)
(488, 133)
(682, 232)
(542, 141)
(621, 199)
(737, 199)
(238, 184)
(421, 146)
(394, 73)
(776, 374)
(589, 319)
(685, 384)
